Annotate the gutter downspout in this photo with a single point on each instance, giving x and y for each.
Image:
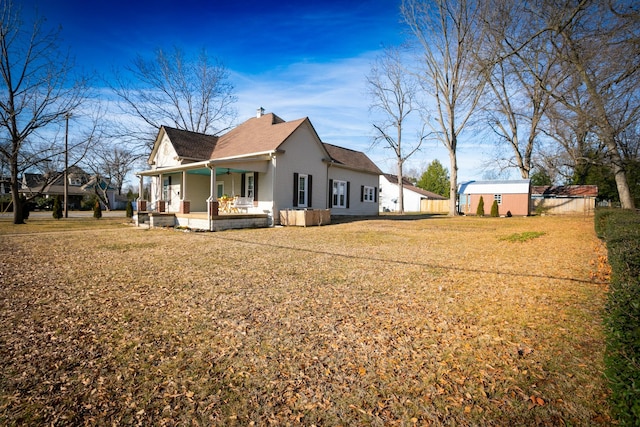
(274, 162)
(327, 203)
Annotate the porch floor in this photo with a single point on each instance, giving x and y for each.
(200, 220)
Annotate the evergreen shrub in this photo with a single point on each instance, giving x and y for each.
(480, 209)
(97, 210)
(57, 208)
(495, 211)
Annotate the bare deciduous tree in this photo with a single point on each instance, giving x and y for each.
(173, 90)
(449, 33)
(393, 92)
(38, 91)
(596, 45)
(517, 99)
(111, 165)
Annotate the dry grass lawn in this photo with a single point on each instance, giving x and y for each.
(434, 321)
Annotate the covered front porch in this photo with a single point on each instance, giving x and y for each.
(209, 195)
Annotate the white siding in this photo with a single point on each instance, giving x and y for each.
(495, 187)
(166, 154)
(389, 193)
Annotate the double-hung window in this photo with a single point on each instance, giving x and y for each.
(303, 186)
(301, 190)
(498, 198)
(249, 186)
(339, 194)
(368, 194)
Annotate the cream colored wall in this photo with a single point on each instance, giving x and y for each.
(197, 192)
(356, 181)
(302, 154)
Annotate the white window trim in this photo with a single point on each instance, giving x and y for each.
(498, 197)
(369, 194)
(335, 194)
(303, 190)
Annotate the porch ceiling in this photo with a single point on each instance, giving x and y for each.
(219, 171)
(241, 165)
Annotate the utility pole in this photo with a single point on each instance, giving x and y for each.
(66, 164)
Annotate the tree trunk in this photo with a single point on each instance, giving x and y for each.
(400, 188)
(18, 213)
(606, 132)
(453, 188)
(626, 200)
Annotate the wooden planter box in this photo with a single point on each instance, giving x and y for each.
(305, 218)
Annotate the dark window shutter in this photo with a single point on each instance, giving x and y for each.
(309, 187)
(348, 193)
(330, 193)
(255, 186)
(295, 189)
(362, 193)
(243, 184)
(375, 194)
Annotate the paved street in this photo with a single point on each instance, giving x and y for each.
(72, 214)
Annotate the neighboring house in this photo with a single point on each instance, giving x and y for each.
(512, 196)
(5, 186)
(413, 196)
(80, 185)
(271, 164)
(564, 199)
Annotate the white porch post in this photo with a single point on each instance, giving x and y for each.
(160, 203)
(185, 205)
(141, 202)
(212, 201)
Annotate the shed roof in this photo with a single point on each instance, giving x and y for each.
(519, 186)
(565, 190)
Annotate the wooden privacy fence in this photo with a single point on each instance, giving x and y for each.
(434, 206)
(552, 206)
(557, 206)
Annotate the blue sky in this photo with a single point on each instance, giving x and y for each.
(294, 58)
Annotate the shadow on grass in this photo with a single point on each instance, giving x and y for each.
(345, 219)
(413, 263)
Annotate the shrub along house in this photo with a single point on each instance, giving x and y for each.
(247, 176)
(512, 196)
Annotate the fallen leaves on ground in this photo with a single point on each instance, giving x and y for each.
(379, 322)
